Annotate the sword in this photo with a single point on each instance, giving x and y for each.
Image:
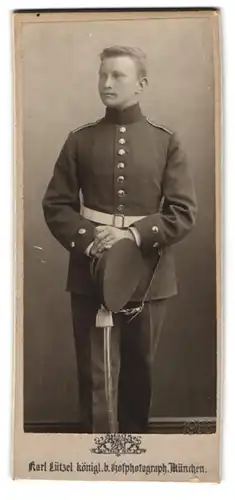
(104, 320)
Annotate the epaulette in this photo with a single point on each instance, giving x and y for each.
(91, 124)
(159, 126)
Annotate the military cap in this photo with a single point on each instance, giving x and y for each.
(117, 273)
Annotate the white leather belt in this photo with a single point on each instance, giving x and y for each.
(117, 220)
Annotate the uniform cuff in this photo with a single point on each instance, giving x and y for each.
(83, 238)
(150, 230)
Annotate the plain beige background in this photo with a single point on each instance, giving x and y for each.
(60, 65)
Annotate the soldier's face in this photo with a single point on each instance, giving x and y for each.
(119, 84)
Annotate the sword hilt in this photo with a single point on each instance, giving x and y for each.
(104, 318)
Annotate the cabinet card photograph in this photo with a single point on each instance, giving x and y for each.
(118, 338)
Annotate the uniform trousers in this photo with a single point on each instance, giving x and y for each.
(133, 346)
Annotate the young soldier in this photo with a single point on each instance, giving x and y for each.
(135, 184)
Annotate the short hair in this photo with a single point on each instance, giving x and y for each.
(134, 53)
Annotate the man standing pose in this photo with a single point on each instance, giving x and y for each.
(136, 184)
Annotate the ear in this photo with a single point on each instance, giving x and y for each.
(142, 83)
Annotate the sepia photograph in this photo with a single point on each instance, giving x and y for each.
(117, 186)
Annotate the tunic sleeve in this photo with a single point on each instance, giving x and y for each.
(61, 202)
(178, 213)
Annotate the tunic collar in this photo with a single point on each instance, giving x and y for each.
(130, 114)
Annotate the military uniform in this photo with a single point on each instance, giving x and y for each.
(124, 165)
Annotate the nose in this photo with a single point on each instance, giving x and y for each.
(108, 82)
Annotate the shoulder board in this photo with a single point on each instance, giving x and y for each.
(91, 124)
(159, 126)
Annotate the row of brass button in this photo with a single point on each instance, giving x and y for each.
(121, 165)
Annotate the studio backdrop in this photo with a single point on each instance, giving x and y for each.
(60, 76)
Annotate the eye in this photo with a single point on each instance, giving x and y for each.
(116, 74)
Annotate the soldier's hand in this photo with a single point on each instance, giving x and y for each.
(106, 236)
(93, 252)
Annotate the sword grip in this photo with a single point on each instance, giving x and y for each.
(104, 318)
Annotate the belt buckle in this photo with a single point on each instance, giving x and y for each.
(116, 222)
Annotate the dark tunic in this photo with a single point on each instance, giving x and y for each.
(127, 165)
